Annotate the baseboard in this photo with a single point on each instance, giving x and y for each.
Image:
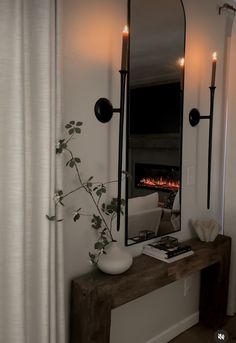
(175, 330)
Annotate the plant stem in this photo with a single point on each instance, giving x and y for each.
(112, 217)
(74, 190)
(67, 141)
(91, 195)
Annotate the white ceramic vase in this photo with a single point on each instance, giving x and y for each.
(116, 260)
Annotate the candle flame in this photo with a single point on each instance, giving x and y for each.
(126, 29)
(214, 56)
(181, 62)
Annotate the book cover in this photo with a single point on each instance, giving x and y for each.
(163, 246)
(170, 259)
(154, 248)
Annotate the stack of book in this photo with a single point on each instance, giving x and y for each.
(165, 253)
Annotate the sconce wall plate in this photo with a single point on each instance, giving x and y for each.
(194, 117)
(103, 110)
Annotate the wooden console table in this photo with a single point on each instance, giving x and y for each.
(95, 294)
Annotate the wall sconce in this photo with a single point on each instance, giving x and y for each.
(195, 117)
(104, 110)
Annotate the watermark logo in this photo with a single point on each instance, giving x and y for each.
(221, 336)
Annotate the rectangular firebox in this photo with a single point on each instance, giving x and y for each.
(158, 177)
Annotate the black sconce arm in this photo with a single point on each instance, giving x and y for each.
(194, 119)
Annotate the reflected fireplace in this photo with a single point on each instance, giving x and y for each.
(158, 177)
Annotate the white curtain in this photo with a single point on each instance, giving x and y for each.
(230, 170)
(31, 260)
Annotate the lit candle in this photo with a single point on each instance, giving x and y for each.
(213, 73)
(181, 64)
(125, 42)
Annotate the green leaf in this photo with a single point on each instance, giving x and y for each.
(98, 246)
(59, 150)
(96, 222)
(71, 131)
(90, 178)
(112, 206)
(110, 210)
(72, 163)
(72, 122)
(77, 159)
(67, 126)
(51, 218)
(77, 130)
(76, 217)
(61, 146)
(104, 240)
(92, 258)
(99, 192)
(79, 123)
(89, 185)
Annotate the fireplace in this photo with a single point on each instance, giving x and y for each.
(158, 177)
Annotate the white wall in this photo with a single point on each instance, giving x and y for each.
(91, 54)
(91, 58)
(205, 34)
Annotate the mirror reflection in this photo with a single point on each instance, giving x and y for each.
(154, 118)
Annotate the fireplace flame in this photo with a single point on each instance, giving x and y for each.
(159, 183)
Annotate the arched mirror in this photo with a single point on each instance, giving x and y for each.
(154, 119)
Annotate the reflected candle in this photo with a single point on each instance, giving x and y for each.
(181, 64)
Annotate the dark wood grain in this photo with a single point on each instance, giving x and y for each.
(95, 294)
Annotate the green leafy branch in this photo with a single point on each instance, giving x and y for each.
(102, 220)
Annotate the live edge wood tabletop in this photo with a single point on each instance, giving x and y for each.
(95, 294)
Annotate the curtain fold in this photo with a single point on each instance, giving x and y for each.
(31, 250)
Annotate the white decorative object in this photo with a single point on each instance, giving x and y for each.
(207, 230)
(116, 260)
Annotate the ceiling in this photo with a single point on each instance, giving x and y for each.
(157, 30)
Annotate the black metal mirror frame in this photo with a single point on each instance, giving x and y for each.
(128, 124)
